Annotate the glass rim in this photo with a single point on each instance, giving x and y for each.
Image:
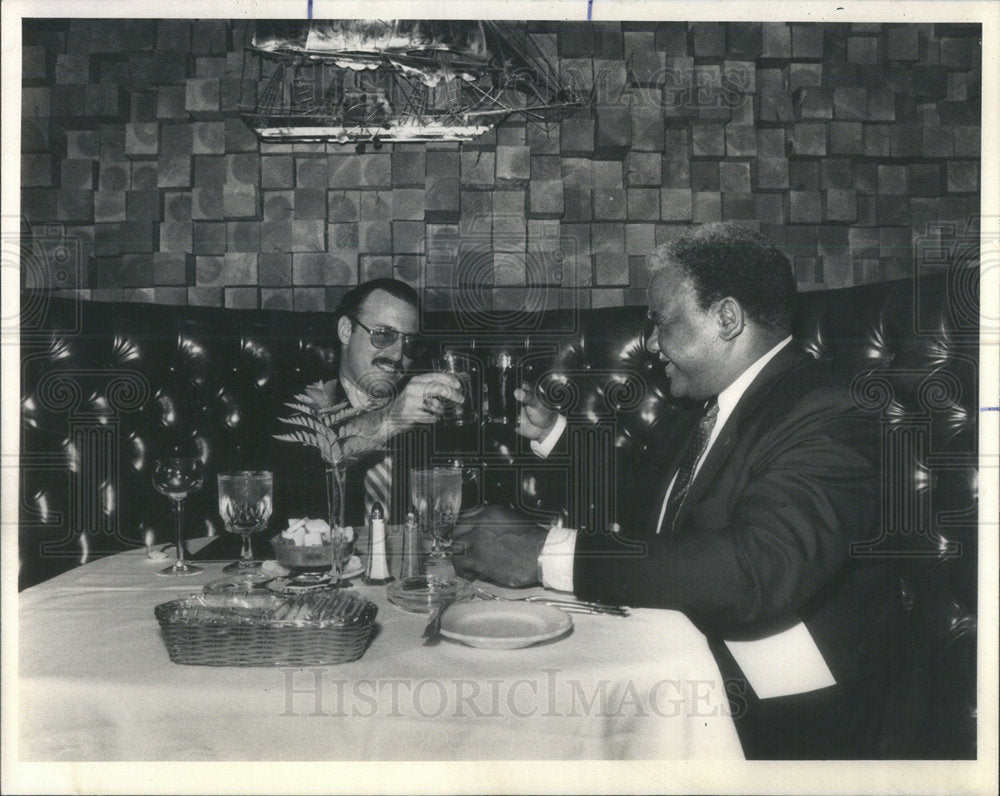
(236, 474)
(437, 468)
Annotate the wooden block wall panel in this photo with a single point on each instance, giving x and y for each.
(242, 236)
(171, 268)
(612, 132)
(478, 170)
(202, 98)
(345, 205)
(442, 198)
(546, 199)
(109, 206)
(177, 205)
(277, 171)
(177, 237)
(75, 206)
(609, 191)
(824, 127)
(310, 203)
(409, 168)
(143, 206)
(576, 138)
(206, 203)
(274, 269)
(239, 137)
(142, 140)
(209, 238)
(408, 204)
(513, 166)
(240, 202)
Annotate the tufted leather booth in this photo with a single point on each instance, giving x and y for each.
(107, 387)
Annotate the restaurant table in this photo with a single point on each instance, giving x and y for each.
(96, 684)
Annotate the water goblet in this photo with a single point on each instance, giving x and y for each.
(436, 492)
(177, 478)
(245, 507)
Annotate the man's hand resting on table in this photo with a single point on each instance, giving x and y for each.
(498, 544)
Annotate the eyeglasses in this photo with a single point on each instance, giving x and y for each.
(385, 336)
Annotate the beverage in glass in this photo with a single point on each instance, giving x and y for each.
(463, 368)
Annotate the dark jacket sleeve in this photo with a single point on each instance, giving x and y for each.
(769, 534)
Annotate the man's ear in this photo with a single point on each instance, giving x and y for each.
(731, 318)
(344, 328)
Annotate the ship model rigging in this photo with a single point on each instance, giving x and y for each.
(403, 80)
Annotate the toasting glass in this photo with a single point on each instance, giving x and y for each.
(245, 506)
(177, 478)
(464, 369)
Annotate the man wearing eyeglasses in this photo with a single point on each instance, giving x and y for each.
(378, 325)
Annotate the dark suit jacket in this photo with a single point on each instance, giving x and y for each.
(763, 538)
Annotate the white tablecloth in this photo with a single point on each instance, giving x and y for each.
(96, 684)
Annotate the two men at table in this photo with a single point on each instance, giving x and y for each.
(750, 529)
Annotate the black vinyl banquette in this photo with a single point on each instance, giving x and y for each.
(107, 387)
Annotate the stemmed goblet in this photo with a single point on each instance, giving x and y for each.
(436, 493)
(177, 478)
(245, 507)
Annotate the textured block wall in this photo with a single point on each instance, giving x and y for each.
(841, 142)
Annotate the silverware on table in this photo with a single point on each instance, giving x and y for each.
(432, 633)
(573, 606)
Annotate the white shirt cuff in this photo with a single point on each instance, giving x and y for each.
(556, 559)
(543, 448)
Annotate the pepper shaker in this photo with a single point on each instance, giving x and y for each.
(411, 546)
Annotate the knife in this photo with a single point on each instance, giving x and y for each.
(432, 633)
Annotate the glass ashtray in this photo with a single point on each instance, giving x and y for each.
(421, 593)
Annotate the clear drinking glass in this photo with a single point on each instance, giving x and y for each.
(436, 493)
(177, 478)
(245, 506)
(463, 368)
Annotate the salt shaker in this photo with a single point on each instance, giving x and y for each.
(411, 546)
(377, 572)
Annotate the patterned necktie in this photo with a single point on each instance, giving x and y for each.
(689, 461)
(378, 486)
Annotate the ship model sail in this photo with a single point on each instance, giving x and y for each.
(404, 80)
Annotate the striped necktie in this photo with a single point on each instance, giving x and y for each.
(378, 486)
(689, 463)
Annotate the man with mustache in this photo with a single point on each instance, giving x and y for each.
(755, 510)
(378, 325)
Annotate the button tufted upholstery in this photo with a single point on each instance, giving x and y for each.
(107, 387)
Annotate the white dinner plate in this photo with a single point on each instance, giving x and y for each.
(503, 626)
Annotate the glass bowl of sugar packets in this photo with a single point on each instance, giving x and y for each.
(316, 555)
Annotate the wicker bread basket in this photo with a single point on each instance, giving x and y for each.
(265, 630)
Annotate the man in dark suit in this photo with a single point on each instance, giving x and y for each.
(756, 509)
(378, 326)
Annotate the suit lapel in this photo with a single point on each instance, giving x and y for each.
(758, 390)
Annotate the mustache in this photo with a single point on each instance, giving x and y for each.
(396, 365)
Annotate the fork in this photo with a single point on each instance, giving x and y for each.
(577, 606)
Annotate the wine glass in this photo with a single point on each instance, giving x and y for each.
(177, 478)
(436, 493)
(245, 507)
